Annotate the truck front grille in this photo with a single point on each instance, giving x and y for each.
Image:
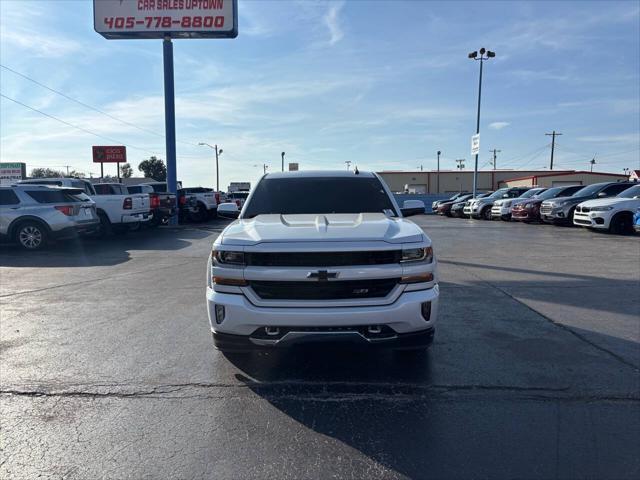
(322, 259)
(332, 290)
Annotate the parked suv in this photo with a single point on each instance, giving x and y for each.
(318, 256)
(560, 210)
(613, 214)
(435, 204)
(481, 207)
(529, 211)
(31, 215)
(502, 208)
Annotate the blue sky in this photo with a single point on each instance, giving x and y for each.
(382, 84)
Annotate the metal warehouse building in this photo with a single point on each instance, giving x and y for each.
(451, 181)
(558, 179)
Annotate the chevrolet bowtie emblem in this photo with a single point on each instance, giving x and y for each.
(322, 275)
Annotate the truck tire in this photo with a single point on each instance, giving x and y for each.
(621, 224)
(105, 229)
(200, 215)
(31, 235)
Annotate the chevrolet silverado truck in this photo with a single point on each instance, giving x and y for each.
(117, 209)
(560, 211)
(322, 256)
(612, 214)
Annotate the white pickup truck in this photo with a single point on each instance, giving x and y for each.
(117, 209)
(322, 256)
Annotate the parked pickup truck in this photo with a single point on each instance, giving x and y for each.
(117, 209)
(614, 214)
(187, 203)
(162, 204)
(206, 202)
(322, 256)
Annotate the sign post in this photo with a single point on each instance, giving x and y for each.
(165, 20)
(113, 154)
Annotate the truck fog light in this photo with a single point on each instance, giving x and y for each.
(219, 310)
(426, 311)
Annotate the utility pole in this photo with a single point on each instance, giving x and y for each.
(264, 168)
(592, 162)
(553, 136)
(218, 153)
(421, 167)
(495, 157)
(348, 162)
(67, 167)
(283, 161)
(438, 174)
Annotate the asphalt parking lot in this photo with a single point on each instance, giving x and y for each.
(108, 370)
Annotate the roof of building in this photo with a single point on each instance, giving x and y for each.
(566, 172)
(467, 171)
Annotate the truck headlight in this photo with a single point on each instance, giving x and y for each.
(601, 209)
(228, 257)
(422, 254)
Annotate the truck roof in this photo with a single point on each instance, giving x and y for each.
(319, 173)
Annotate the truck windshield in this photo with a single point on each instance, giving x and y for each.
(314, 195)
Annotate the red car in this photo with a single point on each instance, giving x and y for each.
(529, 211)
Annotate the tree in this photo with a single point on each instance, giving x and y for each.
(75, 174)
(46, 173)
(154, 168)
(126, 171)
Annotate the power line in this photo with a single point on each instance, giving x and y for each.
(76, 126)
(90, 107)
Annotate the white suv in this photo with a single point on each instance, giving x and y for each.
(318, 256)
(614, 214)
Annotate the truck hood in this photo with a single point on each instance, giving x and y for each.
(314, 228)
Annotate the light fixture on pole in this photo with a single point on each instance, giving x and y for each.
(282, 161)
(264, 168)
(474, 56)
(348, 162)
(218, 153)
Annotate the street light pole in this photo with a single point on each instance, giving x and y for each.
(438, 174)
(481, 58)
(218, 153)
(283, 161)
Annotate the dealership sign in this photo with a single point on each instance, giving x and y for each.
(109, 154)
(12, 172)
(117, 19)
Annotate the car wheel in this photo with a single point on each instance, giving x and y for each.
(570, 217)
(621, 224)
(31, 235)
(486, 213)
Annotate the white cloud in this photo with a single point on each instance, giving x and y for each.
(499, 125)
(332, 21)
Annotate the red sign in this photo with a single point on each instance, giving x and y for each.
(109, 154)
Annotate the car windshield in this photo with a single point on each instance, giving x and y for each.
(589, 190)
(498, 193)
(315, 195)
(530, 193)
(630, 192)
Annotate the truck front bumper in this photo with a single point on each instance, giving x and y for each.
(389, 325)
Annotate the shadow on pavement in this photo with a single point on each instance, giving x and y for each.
(114, 250)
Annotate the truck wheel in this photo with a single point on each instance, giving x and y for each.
(621, 224)
(104, 229)
(31, 235)
(486, 213)
(200, 215)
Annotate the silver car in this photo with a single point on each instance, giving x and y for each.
(31, 215)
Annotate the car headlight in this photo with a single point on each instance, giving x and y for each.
(228, 257)
(601, 209)
(422, 254)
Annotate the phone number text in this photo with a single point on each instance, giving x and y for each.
(124, 23)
